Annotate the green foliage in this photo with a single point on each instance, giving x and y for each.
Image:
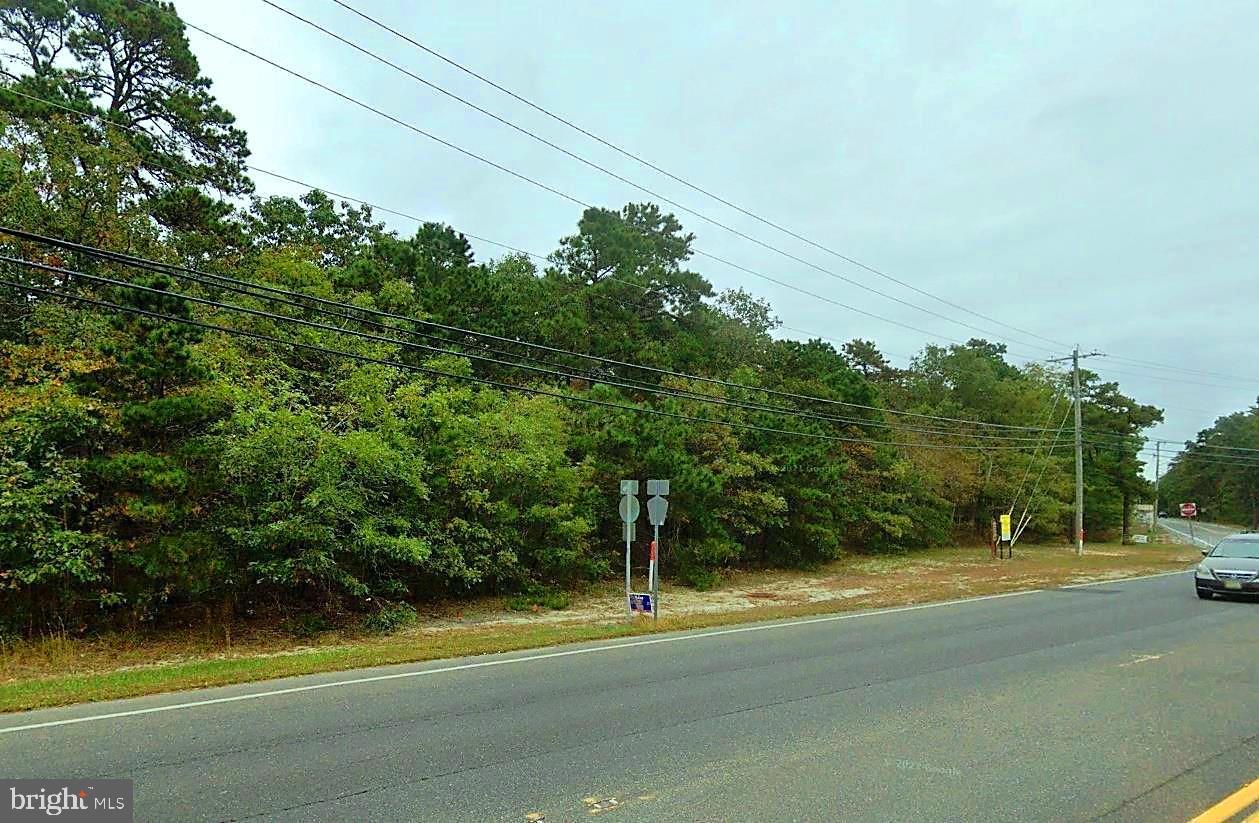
(149, 468)
(51, 560)
(307, 625)
(536, 597)
(1225, 484)
(390, 618)
(130, 62)
(698, 577)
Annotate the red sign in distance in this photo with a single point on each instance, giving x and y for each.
(1188, 509)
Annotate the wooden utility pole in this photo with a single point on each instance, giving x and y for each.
(1079, 443)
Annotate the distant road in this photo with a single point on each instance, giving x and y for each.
(1125, 701)
(1205, 535)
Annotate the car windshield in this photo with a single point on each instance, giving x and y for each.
(1237, 548)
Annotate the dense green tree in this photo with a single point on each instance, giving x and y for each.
(130, 62)
(1112, 478)
(1219, 470)
(151, 468)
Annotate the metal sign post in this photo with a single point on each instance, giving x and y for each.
(629, 510)
(1190, 511)
(657, 510)
(1006, 543)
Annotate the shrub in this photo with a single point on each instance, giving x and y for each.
(390, 618)
(539, 598)
(699, 578)
(307, 624)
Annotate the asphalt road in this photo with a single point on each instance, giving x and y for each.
(1127, 701)
(1203, 535)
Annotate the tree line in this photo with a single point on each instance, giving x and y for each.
(1219, 471)
(148, 467)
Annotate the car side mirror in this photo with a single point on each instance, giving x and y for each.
(1205, 552)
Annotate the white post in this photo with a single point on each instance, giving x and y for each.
(628, 611)
(655, 573)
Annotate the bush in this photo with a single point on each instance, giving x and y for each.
(307, 624)
(390, 618)
(699, 578)
(539, 598)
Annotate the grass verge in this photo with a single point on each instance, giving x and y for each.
(65, 671)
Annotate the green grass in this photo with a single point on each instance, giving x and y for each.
(541, 599)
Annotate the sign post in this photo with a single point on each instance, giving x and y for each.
(657, 510)
(629, 510)
(1007, 537)
(1190, 510)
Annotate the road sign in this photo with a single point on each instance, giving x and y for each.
(629, 509)
(640, 603)
(1188, 509)
(657, 510)
(629, 487)
(1005, 527)
(1140, 538)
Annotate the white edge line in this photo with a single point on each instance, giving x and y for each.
(1123, 579)
(482, 664)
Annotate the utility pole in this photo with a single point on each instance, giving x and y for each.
(1079, 454)
(1157, 460)
(1079, 444)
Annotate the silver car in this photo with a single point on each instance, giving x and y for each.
(1232, 567)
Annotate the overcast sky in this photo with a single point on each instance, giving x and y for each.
(1082, 170)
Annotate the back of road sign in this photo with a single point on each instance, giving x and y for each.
(629, 509)
(657, 510)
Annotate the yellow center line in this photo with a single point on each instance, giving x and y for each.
(1236, 802)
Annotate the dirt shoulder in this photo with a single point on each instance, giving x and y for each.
(60, 671)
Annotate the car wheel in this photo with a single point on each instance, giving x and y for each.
(1205, 594)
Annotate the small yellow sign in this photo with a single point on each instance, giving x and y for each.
(1005, 527)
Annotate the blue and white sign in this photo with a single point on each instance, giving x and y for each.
(640, 603)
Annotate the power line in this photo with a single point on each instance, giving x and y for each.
(473, 379)
(557, 191)
(341, 195)
(1221, 460)
(1048, 419)
(566, 196)
(840, 343)
(604, 170)
(1177, 380)
(527, 179)
(683, 181)
(128, 259)
(708, 193)
(1187, 370)
(543, 259)
(1099, 438)
(1025, 516)
(1192, 445)
(515, 249)
(243, 287)
(815, 295)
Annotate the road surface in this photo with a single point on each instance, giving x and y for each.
(1202, 535)
(1125, 701)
